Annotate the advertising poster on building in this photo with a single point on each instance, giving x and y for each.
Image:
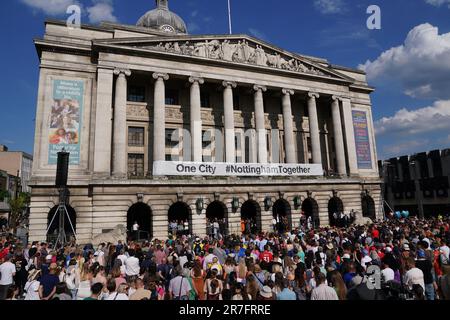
(362, 139)
(65, 120)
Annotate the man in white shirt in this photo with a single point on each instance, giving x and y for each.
(444, 252)
(414, 275)
(7, 271)
(387, 273)
(132, 267)
(179, 286)
(122, 257)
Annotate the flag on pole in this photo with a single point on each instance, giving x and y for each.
(229, 16)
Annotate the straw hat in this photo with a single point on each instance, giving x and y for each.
(33, 275)
(266, 292)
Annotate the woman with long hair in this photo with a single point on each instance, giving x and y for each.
(252, 286)
(337, 282)
(213, 287)
(240, 294)
(241, 269)
(84, 287)
(198, 278)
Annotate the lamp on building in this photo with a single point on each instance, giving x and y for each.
(268, 203)
(235, 203)
(297, 202)
(199, 204)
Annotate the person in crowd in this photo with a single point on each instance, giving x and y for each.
(96, 291)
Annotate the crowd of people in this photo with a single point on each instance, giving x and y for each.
(400, 259)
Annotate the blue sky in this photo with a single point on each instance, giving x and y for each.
(408, 60)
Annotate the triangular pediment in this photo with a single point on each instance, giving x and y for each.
(240, 49)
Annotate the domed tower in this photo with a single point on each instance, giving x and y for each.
(163, 19)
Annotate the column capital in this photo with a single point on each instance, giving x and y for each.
(196, 80)
(290, 92)
(336, 98)
(258, 87)
(229, 84)
(121, 71)
(163, 76)
(313, 95)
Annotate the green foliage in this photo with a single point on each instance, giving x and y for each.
(18, 208)
(4, 194)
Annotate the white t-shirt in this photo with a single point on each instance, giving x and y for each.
(122, 258)
(32, 289)
(445, 251)
(117, 296)
(414, 276)
(388, 274)
(135, 227)
(7, 269)
(132, 267)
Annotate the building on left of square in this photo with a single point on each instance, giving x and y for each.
(15, 174)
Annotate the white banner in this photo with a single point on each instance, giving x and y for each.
(219, 169)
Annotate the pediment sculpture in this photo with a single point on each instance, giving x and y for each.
(240, 51)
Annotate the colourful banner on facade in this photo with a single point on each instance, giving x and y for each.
(362, 139)
(65, 120)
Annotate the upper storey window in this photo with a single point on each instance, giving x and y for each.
(136, 93)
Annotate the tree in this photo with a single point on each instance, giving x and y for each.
(18, 206)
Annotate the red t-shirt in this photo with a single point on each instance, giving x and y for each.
(375, 234)
(266, 256)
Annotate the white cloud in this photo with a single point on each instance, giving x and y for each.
(438, 3)
(50, 7)
(421, 65)
(102, 10)
(407, 147)
(329, 6)
(411, 122)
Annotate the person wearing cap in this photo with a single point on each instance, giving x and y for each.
(427, 268)
(7, 271)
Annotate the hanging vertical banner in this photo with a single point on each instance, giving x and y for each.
(65, 120)
(362, 139)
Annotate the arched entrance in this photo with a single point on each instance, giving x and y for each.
(216, 219)
(282, 213)
(53, 223)
(179, 216)
(141, 214)
(310, 209)
(368, 207)
(335, 208)
(250, 217)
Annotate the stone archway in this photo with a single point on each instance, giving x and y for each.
(216, 212)
(335, 207)
(310, 208)
(281, 211)
(368, 207)
(141, 214)
(251, 217)
(53, 223)
(180, 215)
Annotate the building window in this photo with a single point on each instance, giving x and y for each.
(204, 100)
(136, 94)
(172, 98)
(172, 139)
(136, 165)
(136, 137)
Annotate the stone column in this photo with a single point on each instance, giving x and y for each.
(349, 136)
(230, 145)
(314, 128)
(338, 136)
(196, 119)
(120, 124)
(260, 123)
(289, 145)
(103, 123)
(159, 117)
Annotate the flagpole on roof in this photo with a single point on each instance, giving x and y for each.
(229, 16)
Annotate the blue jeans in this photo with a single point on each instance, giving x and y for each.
(429, 291)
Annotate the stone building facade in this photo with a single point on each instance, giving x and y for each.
(121, 98)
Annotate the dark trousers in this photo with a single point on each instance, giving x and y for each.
(4, 291)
